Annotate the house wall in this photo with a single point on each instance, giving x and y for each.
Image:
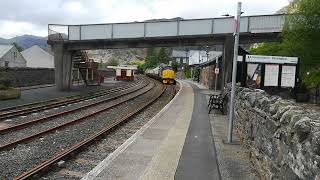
(17, 61)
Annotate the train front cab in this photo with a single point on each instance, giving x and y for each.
(168, 76)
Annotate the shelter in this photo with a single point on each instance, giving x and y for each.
(124, 73)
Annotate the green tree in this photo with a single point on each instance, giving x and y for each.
(151, 59)
(19, 48)
(174, 66)
(163, 56)
(301, 38)
(113, 62)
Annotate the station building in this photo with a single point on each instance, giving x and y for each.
(124, 73)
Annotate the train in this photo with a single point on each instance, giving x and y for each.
(164, 73)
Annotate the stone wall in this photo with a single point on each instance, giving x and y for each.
(283, 138)
(28, 76)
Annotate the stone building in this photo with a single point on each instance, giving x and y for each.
(11, 57)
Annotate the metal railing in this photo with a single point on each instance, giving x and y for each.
(58, 33)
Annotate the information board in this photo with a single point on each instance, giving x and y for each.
(271, 75)
(288, 76)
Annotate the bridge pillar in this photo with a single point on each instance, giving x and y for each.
(63, 67)
(226, 69)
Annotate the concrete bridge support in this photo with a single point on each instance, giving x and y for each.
(63, 67)
(226, 69)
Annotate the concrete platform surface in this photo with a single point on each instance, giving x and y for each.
(178, 143)
(154, 151)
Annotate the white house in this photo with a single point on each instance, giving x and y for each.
(195, 56)
(38, 58)
(11, 57)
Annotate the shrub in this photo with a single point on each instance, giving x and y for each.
(5, 82)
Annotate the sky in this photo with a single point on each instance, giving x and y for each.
(19, 17)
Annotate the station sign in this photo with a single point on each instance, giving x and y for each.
(216, 70)
(271, 59)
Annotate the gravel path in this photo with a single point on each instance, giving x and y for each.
(87, 159)
(15, 161)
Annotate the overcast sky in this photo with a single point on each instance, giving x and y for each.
(18, 17)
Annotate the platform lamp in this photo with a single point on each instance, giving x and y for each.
(234, 71)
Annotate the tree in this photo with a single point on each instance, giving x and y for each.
(151, 59)
(113, 62)
(301, 38)
(19, 48)
(163, 56)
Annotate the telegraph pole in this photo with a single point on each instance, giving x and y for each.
(234, 73)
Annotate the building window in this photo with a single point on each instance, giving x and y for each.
(14, 55)
(6, 64)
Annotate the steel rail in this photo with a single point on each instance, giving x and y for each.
(47, 131)
(70, 98)
(59, 99)
(43, 119)
(12, 114)
(42, 166)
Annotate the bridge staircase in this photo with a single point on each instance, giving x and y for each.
(87, 68)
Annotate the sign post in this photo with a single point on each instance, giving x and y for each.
(234, 73)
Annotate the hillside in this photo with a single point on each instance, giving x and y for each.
(123, 55)
(26, 41)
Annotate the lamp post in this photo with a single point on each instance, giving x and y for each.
(234, 73)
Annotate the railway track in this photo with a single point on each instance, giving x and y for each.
(107, 104)
(17, 111)
(27, 121)
(72, 150)
(121, 99)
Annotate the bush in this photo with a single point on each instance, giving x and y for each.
(2, 87)
(187, 73)
(312, 80)
(5, 82)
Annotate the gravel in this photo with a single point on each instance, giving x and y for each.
(21, 158)
(54, 122)
(29, 117)
(92, 155)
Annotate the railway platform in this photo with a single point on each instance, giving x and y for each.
(181, 142)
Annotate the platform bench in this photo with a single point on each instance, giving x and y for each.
(216, 101)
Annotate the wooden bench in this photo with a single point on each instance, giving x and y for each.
(217, 101)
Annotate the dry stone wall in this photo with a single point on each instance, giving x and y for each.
(283, 138)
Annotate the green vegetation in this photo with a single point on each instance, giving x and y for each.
(187, 73)
(301, 38)
(174, 66)
(163, 56)
(113, 62)
(7, 92)
(153, 59)
(19, 48)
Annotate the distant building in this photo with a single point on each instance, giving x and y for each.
(36, 57)
(11, 57)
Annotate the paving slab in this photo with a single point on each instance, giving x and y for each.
(233, 159)
(154, 151)
(198, 159)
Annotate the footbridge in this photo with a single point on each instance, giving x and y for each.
(66, 39)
